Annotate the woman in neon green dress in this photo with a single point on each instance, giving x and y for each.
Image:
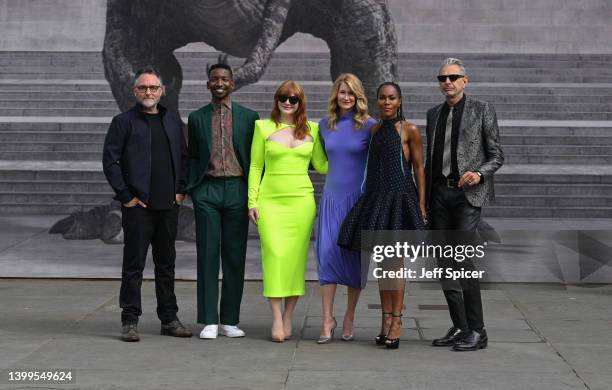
(281, 203)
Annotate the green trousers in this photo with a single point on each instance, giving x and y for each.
(222, 226)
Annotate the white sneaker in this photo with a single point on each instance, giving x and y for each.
(231, 331)
(209, 332)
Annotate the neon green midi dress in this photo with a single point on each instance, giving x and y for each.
(284, 197)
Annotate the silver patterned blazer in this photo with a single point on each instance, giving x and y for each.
(478, 148)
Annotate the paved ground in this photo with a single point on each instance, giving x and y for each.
(532, 250)
(542, 337)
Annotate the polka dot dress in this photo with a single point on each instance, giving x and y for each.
(390, 200)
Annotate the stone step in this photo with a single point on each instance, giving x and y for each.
(556, 131)
(561, 174)
(556, 189)
(181, 55)
(306, 65)
(199, 60)
(247, 97)
(24, 124)
(547, 212)
(89, 106)
(98, 138)
(503, 200)
(558, 159)
(513, 145)
(53, 155)
(568, 140)
(49, 186)
(44, 174)
(55, 197)
(17, 208)
(52, 136)
(560, 130)
(278, 70)
(507, 77)
(197, 87)
(315, 114)
(551, 149)
(50, 147)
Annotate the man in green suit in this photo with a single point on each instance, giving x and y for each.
(220, 136)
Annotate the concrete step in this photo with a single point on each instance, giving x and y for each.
(318, 102)
(503, 200)
(571, 140)
(46, 173)
(53, 155)
(267, 88)
(48, 186)
(19, 208)
(558, 159)
(528, 149)
(506, 140)
(551, 149)
(55, 197)
(406, 77)
(547, 212)
(315, 114)
(247, 97)
(49, 147)
(52, 136)
(555, 189)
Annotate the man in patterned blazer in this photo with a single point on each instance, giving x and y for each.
(463, 153)
(220, 135)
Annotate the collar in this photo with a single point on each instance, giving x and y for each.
(227, 104)
(161, 109)
(457, 106)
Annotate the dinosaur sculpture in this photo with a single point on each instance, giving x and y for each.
(360, 35)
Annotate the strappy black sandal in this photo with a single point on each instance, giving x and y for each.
(381, 338)
(393, 343)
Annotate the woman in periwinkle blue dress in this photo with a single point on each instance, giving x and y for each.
(346, 136)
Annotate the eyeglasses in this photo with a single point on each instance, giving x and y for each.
(144, 88)
(452, 77)
(293, 100)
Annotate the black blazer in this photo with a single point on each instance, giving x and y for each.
(126, 159)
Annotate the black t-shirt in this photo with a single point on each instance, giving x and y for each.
(161, 192)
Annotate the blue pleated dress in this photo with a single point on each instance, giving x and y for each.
(346, 147)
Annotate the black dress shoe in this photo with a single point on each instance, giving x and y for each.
(473, 341)
(129, 333)
(175, 329)
(452, 337)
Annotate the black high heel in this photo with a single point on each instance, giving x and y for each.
(393, 343)
(381, 338)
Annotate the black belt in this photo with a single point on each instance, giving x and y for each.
(450, 183)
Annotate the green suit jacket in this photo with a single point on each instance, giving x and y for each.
(200, 140)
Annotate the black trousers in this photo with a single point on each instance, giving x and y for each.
(450, 210)
(143, 227)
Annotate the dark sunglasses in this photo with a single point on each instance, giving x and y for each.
(293, 100)
(451, 77)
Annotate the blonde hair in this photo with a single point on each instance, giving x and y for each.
(361, 102)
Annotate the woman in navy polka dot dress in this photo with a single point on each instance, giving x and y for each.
(392, 198)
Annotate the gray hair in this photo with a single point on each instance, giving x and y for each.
(147, 70)
(454, 61)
